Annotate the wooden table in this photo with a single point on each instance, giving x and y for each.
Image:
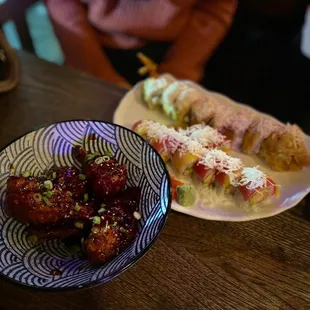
(195, 264)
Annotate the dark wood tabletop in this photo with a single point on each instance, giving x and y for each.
(195, 264)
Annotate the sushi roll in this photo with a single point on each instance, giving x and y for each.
(259, 130)
(254, 186)
(202, 111)
(236, 125)
(177, 100)
(207, 136)
(226, 169)
(186, 156)
(165, 140)
(204, 174)
(153, 89)
(285, 151)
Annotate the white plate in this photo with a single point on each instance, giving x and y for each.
(294, 185)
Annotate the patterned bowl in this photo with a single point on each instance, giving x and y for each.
(34, 265)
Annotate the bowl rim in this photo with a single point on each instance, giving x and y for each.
(115, 274)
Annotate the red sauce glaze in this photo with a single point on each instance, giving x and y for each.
(68, 208)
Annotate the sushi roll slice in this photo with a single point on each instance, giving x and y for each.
(177, 100)
(285, 151)
(204, 174)
(153, 89)
(259, 130)
(226, 169)
(255, 186)
(236, 125)
(165, 140)
(186, 156)
(207, 136)
(202, 111)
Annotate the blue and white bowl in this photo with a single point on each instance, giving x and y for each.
(33, 264)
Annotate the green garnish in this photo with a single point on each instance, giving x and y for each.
(101, 210)
(91, 156)
(106, 226)
(97, 220)
(123, 230)
(37, 197)
(48, 194)
(33, 239)
(114, 224)
(27, 174)
(85, 197)
(82, 177)
(54, 175)
(79, 224)
(48, 184)
(108, 153)
(77, 207)
(47, 202)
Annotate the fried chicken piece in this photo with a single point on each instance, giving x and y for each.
(17, 184)
(102, 244)
(61, 230)
(35, 208)
(106, 177)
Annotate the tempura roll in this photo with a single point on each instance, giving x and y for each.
(153, 89)
(285, 151)
(259, 130)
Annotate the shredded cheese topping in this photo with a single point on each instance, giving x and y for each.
(219, 160)
(205, 135)
(252, 178)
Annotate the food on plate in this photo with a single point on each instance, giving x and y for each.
(93, 204)
(153, 89)
(202, 111)
(285, 150)
(183, 194)
(281, 146)
(197, 153)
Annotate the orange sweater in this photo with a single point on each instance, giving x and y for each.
(195, 28)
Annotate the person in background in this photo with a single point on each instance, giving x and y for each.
(102, 37)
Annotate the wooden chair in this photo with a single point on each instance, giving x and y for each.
(15, 10)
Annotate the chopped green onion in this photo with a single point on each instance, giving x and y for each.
(85, 197)
(123, 230)
(69, 193)
(101, 210)
(48, 184)
(27, 174)
(79, 224)
(95, 230)
(114, 224)
(33, 239)
(77, 207)
(106, 226)
(82, 177)
(54, 175)
(97, 220)
(48, 194)
(91, 156)
(108, 153)
(47, 202)
(37, 197)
